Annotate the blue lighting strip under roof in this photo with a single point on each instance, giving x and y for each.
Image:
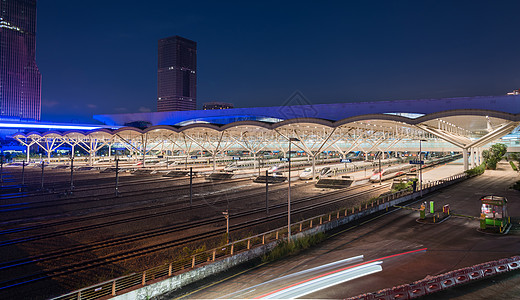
(50, 126)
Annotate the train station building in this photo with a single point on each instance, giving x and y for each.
(466, 125)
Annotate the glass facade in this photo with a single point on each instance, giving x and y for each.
(20, 79)
(177, 74)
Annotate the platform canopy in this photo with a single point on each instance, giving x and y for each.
(389, 126)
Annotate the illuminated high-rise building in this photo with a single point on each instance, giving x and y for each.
(177, 74)
(20, 79)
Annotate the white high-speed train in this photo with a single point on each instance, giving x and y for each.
(391, 172)
(273, 164)
(324, 171)
(328, 170)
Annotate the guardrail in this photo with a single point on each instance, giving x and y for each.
(433, 284)
(182, 264)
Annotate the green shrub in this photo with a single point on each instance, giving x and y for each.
(513, 165)
(494, 155)
(404, 185)
(399, 186)
(476, 171)
(286, 248)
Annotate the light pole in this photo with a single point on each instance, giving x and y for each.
(289, 192)
(420, 165)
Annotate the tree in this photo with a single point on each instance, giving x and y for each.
(494, 155)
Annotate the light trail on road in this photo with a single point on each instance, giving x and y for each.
(317, 281)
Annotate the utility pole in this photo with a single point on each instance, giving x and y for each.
(117, 175)
(43, 166)
(23, 175)
(191, 186)
(289, 192)
(266, 192)
(380, 175)
(71, 172)
(420, 166)
(226, 215)
(2, 168)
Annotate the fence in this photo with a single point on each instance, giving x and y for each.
(182, 264)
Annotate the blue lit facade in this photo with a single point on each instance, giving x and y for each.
(506, 106)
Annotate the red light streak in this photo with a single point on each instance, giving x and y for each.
(339, 270)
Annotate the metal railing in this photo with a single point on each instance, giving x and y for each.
(186, 263)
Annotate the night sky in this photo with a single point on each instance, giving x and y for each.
(100, 56)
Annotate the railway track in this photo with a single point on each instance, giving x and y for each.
(148, 192)
(330, 198)
(121, 221)
(89, 185)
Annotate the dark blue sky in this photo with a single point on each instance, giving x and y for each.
(100, 57)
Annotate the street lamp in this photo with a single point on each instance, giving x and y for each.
(420, 165)
(289, 192)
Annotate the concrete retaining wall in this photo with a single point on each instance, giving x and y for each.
(181, 280)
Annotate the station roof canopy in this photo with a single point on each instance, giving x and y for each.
(504, 107)
(469, 122)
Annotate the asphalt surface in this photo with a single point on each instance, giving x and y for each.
(452, 244)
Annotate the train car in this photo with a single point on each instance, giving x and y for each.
(341, 168)
(237, 165)
(273, 164)
(306, 174)
(391, 172)
(324, 171)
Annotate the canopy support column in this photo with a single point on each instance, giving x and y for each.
(472, 157)
(313, 167)
(465, 158)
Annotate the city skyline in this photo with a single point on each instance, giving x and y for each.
(20, 79)
(259, 54)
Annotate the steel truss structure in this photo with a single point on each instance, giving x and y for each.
(458, 130)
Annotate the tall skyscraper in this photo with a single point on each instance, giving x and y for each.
(20, 79)
(177, 74)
